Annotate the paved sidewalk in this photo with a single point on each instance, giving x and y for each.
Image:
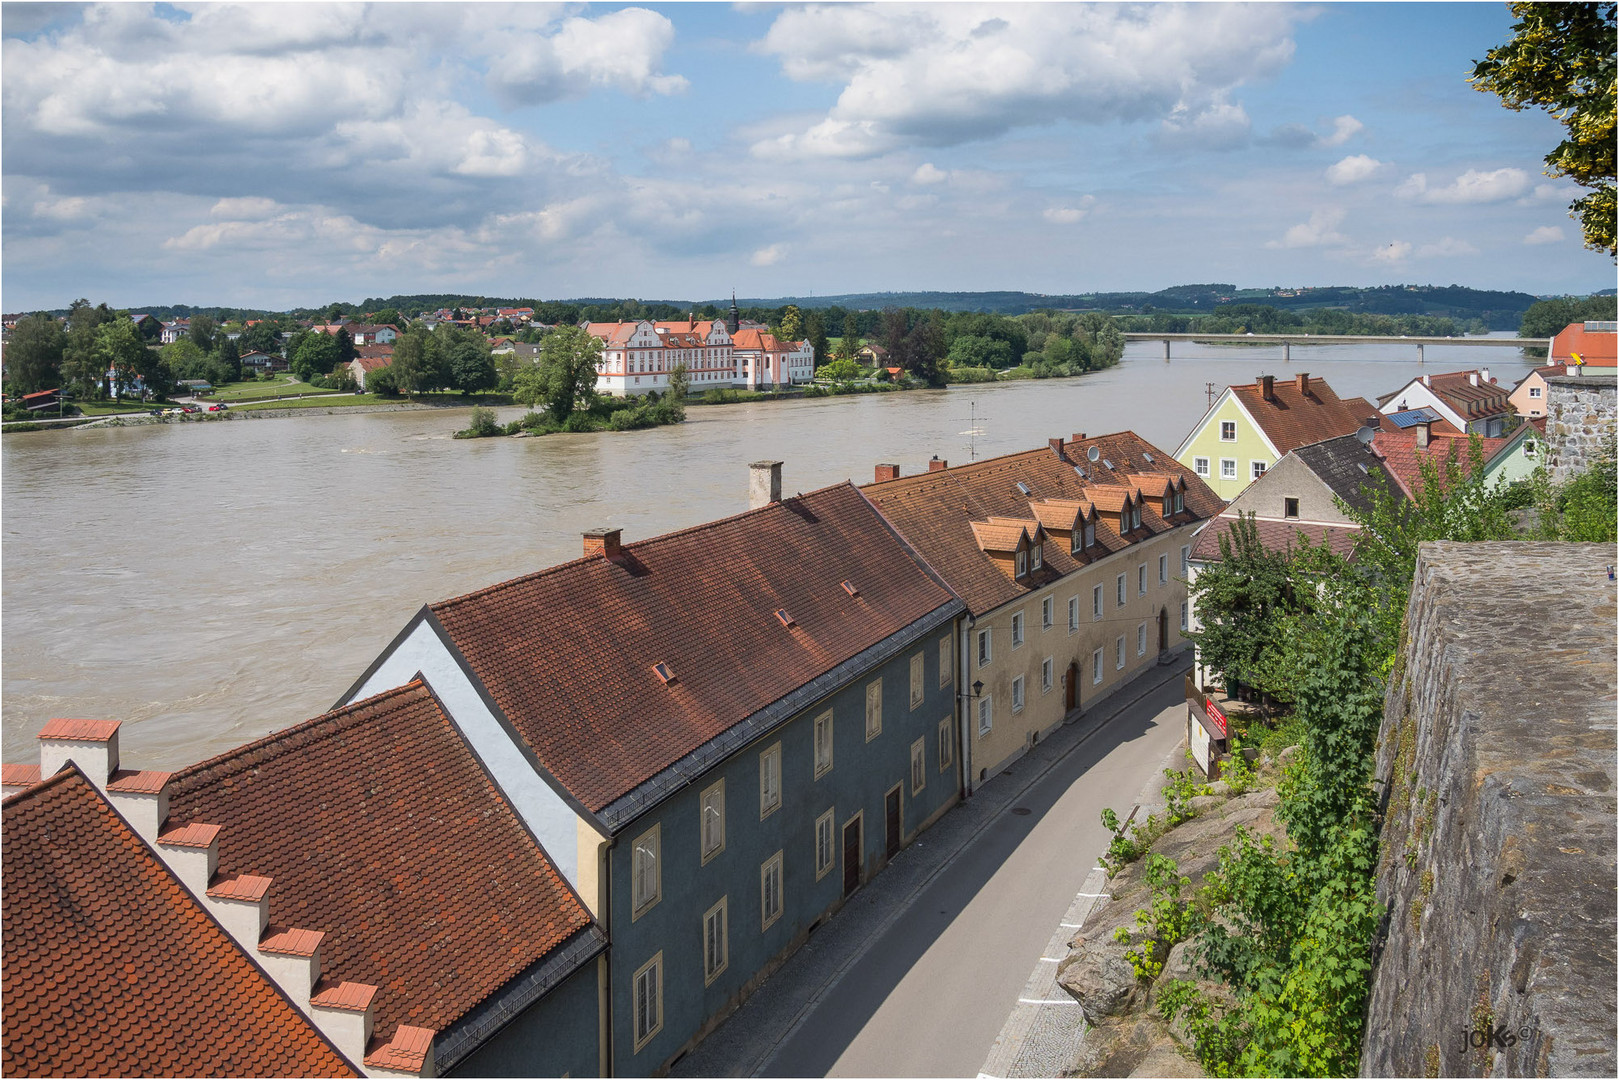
(747, 1044)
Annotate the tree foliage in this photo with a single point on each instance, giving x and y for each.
(1561, 59)
(316, 356)
(565, 378)
(34, 355)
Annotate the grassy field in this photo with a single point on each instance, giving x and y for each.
(252, 388)
(321, 399)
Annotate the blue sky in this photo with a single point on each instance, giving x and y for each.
(274, 155)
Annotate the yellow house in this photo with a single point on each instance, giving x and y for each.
(1250, 427)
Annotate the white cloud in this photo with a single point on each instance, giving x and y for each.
(943, 74)
(1446, 247)
(1471, 186)
(1070, 215)
(247, 208)
(622, 50)
(769, 256)
(1217, 125)
(1320, 231)
(1546, 234)
(1393, 252)
(926, 173)
(1343, 129)
(1352, 169)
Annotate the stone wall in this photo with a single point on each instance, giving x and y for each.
(1581, 413)
(1496, 761)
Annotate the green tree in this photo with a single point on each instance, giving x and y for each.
(386, 317)
(82, 369)
(850, 343)
(264, 337)
(317, 355)
(815, 326)
(1546, 318)
(565, 378)
(971, 350)
(34, 355)
(203, 329)
(345, 345)
(1242, 602)
(410, 363)
(1561, 59)
(229, 358)
(679, 386)
(472, 369)
(121, 349)
(842, 370)
(792, 324)
(925, 350)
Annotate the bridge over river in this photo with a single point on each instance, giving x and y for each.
(1287, 341)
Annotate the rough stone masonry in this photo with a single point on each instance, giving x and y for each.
(1498, 862)
(1581, 413)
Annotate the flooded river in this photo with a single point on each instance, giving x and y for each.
(209, 583)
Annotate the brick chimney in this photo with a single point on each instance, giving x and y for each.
(1267, 387)
(937, 464)
(1302, 381)
(602, 541)
(1424, 433)
(1078, 436)
(1056, 447)
(764, 483)
(887, 472)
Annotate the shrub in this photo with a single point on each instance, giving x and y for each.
(482, 425)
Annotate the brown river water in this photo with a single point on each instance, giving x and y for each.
(210, 583)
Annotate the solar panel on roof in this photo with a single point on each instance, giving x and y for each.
(1413, 417)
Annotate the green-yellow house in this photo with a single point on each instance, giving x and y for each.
(1250, 427)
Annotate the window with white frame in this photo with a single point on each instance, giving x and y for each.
(1228, 431)
(823, 744)
(947, 743)
(946, 661)
(874, 709)
(769, 781)
(1184, 616)
(918, 674)
(770, 902)
(824, 848)
(1017, 629)
(1118, 588)
(986, 715)
(1090, 534)
(1037, 557)
(1257, 469)
(1017, 694)
(919, 765)
(1141, 580)
(983, 648)
(648, 1001)
(1096, 666)
(1163, 569)
(716, 941)
(646, 873)
(1118, 652)
(1073, 614)
(1534, 391)
(1046, 667)
(1200, 465)
(1228, 468)
(1186, 560)
(1141, 639)
(712, 820)
(1047, 606)
(1096, 601)
(1022, 562)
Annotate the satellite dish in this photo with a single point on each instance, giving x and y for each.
(1093, 453)
(1364, 435)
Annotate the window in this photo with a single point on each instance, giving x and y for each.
(947, 744)
(1184, 615)
(1017, 629)
(918, 674)
(1141, 639)
(1534, 391)
(1022, 563)
(823, 744)
(986, 715)
(1228, 431)
(983, 648)
(1096, 666)
(1135, 517)
(1090, 533)
(1118, 589)
(716, 944)
(1017, 694)
(1180, 501)
(1037, 557)
(1163, 569)
(919, 765)
(1096, 601)
(1118, 652)
(769, 781)
(1200, 465)
(1045, 675)
(648, 1001)
(712, 825)
(1228, 468)
(1256, 469)
(1186, 560)
(1141, 580)
(874, 709)
(824, 848)
(1046, 607)
(1073, 614)
(946, 661)
(1290, 508)
(645, 874)
(1529, 448)
(770, 892)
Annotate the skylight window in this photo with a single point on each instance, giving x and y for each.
(786, 619)
(1108, 463)
(848, 587)
(1147, 456)
(664, 672)
(1021, 486)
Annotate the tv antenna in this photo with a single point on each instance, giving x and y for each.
(973, 430)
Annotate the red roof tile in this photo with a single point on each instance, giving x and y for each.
(352, 996)
(195, 835)
(1598, 348)
(405, 1052)
(291, 941)
(145, 782)
(113, 969)
(934, 511)
(382, 830)
(1276, 536)
(1403, 461)
(18, 775)
(567, 653)
(1295, 419)
(1456, 389)
(250, 887)
(82, 730)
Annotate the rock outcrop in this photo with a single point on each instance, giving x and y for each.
(1498, 856)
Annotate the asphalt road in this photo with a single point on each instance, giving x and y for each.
(928, 991)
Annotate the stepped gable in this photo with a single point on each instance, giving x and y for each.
(568, 653)
(379, 827)
(112, 968)
(1302, 410)
(936, 511)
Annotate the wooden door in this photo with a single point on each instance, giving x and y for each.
(891, 823)
(1071, 686)
(1163, 630)
(851, 855)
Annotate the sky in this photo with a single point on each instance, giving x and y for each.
(280, 155)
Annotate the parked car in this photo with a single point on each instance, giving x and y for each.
(218, 406)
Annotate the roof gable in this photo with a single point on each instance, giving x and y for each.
(1293, 416)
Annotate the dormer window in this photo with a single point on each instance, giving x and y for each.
(1090, 534)
(1180, 501)
(1022, 563)
(1135, 518)
(1035, 559)
(1076, 542)
(1167, 504)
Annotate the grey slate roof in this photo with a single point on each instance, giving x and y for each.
(1346, 466)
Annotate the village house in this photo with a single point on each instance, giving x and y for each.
(366, 334)
(1250, 427)
(717, 735)
(369, 358)
(1588, 344)
(1071, 560)
(262, 362)
(764, 362)
(175, 330)
(1469, 401)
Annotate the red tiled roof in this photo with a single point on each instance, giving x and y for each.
(1598, 348)
(934, 510)
(382, 830)
(567, 653)
(145, 782)
(756, 341)
(1402, 460)
(1276, 536)
(249, 887)
(1455, 388)
(368, 364)
(1293, 419)
(14, 775)
(405, 1053)
(85, 730)
(291, 941)
(996, 537)
(113, 969)
(353, 996)
(196, 834)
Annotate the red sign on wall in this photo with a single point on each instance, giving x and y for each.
(1216, 717)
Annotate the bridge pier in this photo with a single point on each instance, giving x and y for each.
(1419, 352)
(1287, 352)
(1166, 348)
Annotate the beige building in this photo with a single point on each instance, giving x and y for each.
(1072, 561)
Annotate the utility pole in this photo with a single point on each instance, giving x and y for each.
(1208, 394)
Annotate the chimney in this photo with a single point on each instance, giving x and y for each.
(1267, 387)
(1424, 432)
(410, 1052)
(1427, 380)
(1078, 436)
(292, 957)
(344, 1013)
(887, 472)
(602, 541)
(1484, 375)
(1472, 378)
(1374, 421)
(241, 903)
(764, 484)
(1302, 381)
(92, 744)
(143, 800)
(1056, 447)
(192, 852)
(937, 464)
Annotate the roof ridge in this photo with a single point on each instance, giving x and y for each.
(633, 546)
(44, 782)
(1002, 459)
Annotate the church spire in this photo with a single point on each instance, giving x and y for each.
(735, 322)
